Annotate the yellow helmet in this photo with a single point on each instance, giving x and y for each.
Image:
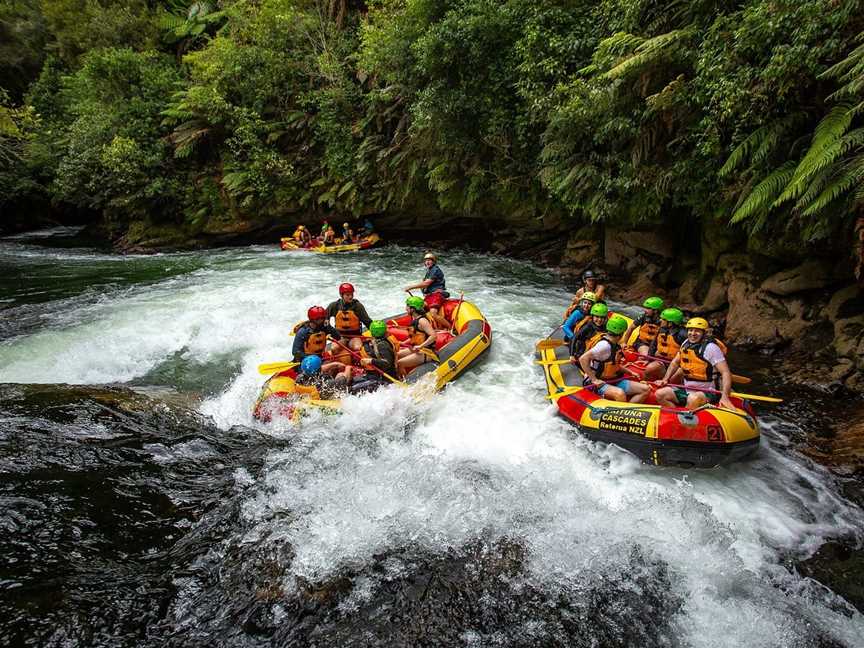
(697, 323)
(344, 224)
(429, 255)
(301, 227)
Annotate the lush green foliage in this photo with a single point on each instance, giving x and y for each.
(619, 111)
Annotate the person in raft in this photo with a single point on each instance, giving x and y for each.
(349, 315)
(589, 284)
(302, 236)
(665, 346)
(703, 363)
(435, 310)
(579, 317)
(347, 233)
(648, 323)
(601, 364)
(367, 229)
(590, 332)
(328, 234)
(312, 381)
(310, 337)
(376, 353)
(421, 337)
(433, 281)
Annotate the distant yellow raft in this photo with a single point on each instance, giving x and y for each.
(290, 245)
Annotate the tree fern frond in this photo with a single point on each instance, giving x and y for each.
(648, 52)
(843, 69)
(758, 140)
(818, 159)
(764, 194)
(841, 185)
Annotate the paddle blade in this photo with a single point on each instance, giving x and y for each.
(549, 344)
(276, 367)
(755, 397)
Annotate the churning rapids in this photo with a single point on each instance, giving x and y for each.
(142, 505)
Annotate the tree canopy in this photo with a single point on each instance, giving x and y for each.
(745, 112)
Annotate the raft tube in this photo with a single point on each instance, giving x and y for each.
(663, 436)
(290, 245)
(457, 350)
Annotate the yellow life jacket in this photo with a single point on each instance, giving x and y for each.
(298, 235)
(610, 368)
(665, 345)
(307, 390)
(693, 363)
(347, 321)
(415, 335)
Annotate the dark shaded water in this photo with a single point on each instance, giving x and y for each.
(166, 516)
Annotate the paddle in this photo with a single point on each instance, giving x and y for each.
(741, 380)
(753, 397)
(371, 366)
(549, 343)
(276, 367)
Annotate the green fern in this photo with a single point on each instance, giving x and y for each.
(648, 53)
(763, 195)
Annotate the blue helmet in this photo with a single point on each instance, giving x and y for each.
(311, 364)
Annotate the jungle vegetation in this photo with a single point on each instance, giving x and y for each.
(748, 112)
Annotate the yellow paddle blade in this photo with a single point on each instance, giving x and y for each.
(755, 397)
(549, 344)
(566, 392)
(552, 362)
(276, 367)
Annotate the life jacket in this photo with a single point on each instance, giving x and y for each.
(582, 336)
(372, 343)
(594, 339)
(316, 342)
(665, 345)
(298, 235)
(415, 335)
(610, 368)
(648, 330)
(582, 322)
(693, 363)
(346, 319)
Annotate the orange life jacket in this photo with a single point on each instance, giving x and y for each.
(347, 321)
(316, 342)
(693, 363)
(298, 235)
(415, 335)
(371, 343)
(594, 339)
(665, 345)
(648, 330)
(610, 368)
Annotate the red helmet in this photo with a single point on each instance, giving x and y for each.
(317, 313)
(433, 300)
(346, 288)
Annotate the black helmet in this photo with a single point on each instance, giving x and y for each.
(588, 274)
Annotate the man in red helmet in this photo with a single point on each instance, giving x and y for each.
(310, 337)
(349, 315)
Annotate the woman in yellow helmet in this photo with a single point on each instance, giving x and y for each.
(704, 366)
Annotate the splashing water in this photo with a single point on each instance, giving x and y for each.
(486, 461)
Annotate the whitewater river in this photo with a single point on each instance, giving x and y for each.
(474, 518)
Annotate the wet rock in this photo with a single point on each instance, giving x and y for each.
(583, 249)
(810, 275)
(628, 247)
(839, 566)
(478, 594)
(762, 319)
(846, 302)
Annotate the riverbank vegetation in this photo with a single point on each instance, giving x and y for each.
(141, 113)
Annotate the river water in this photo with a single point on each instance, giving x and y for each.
(168, 516)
